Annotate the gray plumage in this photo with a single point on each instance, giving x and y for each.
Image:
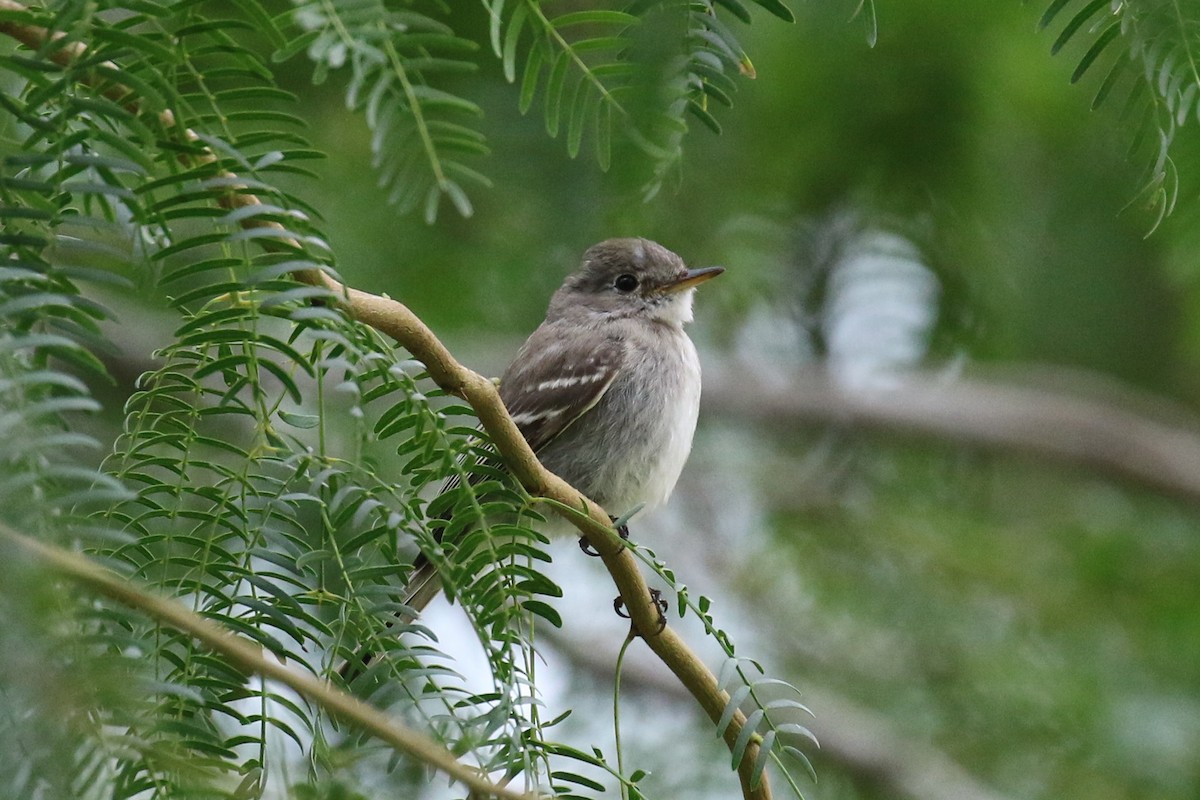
(607, 390)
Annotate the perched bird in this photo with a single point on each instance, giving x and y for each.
(607, 390)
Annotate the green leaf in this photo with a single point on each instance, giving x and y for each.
(872, 23)
(305, 421)
(736, 698)
(1095, 50)
(529, 81)
(594, 17)
(496, 14)
(803, 759)
(436, 98)
(579, 108)
(544, 611)
(458, 198)
(778, 8)
(796, 729)
(554, 89)
(737, 9)
(738, 751)
(708, 119)
(262, 22)
(794, 705)
(760, 761)
(1076, 23)
(1119, 67)
(580, 780)
(296, 45)
(18, 212)
(602, 136)
(516, 24)
(1051, 13)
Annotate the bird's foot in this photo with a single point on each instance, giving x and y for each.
(659, 602)
(586, 547)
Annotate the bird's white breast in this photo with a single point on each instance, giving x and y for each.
(679, 427)
(631, 448)
(661, 390)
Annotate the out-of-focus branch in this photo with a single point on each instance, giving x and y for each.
(248, 657)
(396, 320)
(869, 746)
(1133, 443)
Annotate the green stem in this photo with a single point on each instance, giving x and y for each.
(617, 714)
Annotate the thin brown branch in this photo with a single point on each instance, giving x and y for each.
(1132, 441)
(36, 37)
(394, 319)
(249, 657)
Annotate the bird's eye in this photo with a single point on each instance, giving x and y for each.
(625, 283)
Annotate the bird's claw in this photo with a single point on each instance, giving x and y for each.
(586, 546)
(659, 601)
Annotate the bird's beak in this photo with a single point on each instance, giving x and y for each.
(693, 277)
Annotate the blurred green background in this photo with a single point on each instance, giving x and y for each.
(958, 120)
(965, 622)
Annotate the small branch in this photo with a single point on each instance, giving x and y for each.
(249, 658)
(1130, 441)
(394, 319)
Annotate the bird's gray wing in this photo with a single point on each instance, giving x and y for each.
(554, 380)
(557, 377)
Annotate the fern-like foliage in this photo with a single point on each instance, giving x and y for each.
(635, 70)
(421, 142)
(49, 333)
(629, 73)
(1148, 51)
(771, 705)
(240, 498)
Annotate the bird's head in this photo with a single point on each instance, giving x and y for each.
(631, 277)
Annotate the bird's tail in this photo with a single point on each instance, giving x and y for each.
(424, 584)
